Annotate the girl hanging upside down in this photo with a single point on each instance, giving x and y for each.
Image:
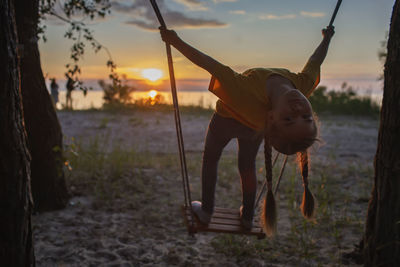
(260, 103)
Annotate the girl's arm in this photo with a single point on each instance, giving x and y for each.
(202, 60)
(321, 51)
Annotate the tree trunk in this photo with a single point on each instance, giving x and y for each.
(16, 248)
(382, 234)
(44, 131)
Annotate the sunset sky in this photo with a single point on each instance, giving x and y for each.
(238, 33)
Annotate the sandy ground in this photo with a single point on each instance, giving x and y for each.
(83, 235)
(352, 138)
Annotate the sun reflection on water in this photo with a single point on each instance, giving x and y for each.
(154, 98)
(153, 93)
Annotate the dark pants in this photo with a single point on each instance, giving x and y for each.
(220, 131)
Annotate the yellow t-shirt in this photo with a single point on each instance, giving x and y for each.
(244, 96)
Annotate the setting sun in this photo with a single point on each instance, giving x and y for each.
(152, 74)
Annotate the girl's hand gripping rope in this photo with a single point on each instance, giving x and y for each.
(328, 32)
(168, 36)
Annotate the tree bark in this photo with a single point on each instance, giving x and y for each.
(382, 233)
(16, 248)
(44, 131)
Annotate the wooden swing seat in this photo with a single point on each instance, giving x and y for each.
(223, 221)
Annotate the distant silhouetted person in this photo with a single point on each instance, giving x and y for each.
(54, 91)
(70, 86)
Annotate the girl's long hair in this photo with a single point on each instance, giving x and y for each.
(308, 204)
(269, 209)
(268, 214)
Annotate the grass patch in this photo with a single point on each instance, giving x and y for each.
(339, 214)
(119, 174)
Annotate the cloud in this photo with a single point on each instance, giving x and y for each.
(291, 16)
(195, 5)
(238, 12)
(312, 14)
(276, 17)
(142, 15)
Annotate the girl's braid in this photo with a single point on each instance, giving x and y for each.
(268, 214)
(304, 167)
(268, 162)
(308, 203)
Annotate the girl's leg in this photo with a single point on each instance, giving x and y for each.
(217, 138)
(248, 148)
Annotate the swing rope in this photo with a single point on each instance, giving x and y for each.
(181, 145)
(262, 190)
(280, 174)
(335, 13)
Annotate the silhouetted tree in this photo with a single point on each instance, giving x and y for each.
(43, 128)
(381, 241)
(16, 248)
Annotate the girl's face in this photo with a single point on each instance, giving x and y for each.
(292, 120)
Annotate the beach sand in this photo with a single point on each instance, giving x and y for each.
(146, 229)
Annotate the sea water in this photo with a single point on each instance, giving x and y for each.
(94, 98)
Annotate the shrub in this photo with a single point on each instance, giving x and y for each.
(117, 93)
(343, 102)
